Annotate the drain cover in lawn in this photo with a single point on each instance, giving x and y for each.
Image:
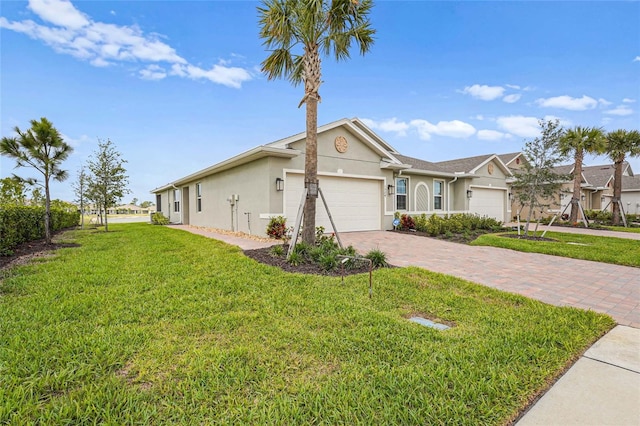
(429, 323)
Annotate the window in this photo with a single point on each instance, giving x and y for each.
(176, 200)
(438, 186)
(401, 194)
(199, 197)
(158, 202)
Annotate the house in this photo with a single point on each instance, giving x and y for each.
(596, 189)
(363, 179)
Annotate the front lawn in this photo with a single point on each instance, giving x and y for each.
(152, 325)
(619, 251)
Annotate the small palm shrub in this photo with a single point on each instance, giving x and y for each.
(378, 258)
(277, 251)
(159, 219)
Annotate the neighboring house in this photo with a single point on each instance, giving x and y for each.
(596, 190)
(131, 209)
(630, 196)
(363, 178)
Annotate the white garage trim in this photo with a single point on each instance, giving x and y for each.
(355, 202)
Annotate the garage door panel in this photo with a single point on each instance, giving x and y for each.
(488, 202)
(355, 204)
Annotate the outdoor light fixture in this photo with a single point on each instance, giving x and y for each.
(510, 195)
(390, 189)
(602, 198)
(582, 197)
(279, 184)
(469, 193)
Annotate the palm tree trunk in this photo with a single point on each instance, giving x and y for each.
(577, 180)
(311, 85)
(617, 190)
(47, 212)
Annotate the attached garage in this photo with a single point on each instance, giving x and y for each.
(488, 202)
(355, 204)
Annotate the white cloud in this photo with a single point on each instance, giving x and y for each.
(604, 102)
(390, 125)
(637, 59)
(479, 117)
(628, 100)
(513, 86)
(620, 110)
(69, 31)
(59, 12)
(483, 92)
(567, 102)
(452, 129)
(526, 127)
(75, 142)
(514, 97)
(153, 72)
(492, 135)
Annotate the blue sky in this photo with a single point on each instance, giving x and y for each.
(176, 85)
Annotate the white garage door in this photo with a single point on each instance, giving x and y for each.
(488, 202)
(355, 204)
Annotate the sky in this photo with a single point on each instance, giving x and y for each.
(177, 85)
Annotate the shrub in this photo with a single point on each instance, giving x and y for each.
(421, 223)
(407, 223)
(277, 251)
(159, 219)
(19, 224)
(378, 258)
(277, 227)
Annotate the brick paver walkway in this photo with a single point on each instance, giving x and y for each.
(611, 289)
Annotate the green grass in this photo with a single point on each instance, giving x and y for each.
(633, 229)
(618, 251)
(152, 325)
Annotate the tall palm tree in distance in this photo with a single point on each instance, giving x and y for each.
(577, 142)
(297, 33)
(42, 148)
(620, 144)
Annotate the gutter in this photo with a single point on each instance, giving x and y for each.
(449, 193)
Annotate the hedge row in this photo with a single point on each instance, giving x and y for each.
(455, 223)
(26, 223)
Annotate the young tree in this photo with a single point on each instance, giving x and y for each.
(620, 144)
(134, 201)
(317, 27)
(12, 191)
(577, 142)
(42, 148)
(537, 182)
(80, 187)
(109, 181)
(146, 204)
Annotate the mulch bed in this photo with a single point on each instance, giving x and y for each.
(27, 251)
(263, 255)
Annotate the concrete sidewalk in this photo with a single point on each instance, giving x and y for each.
(601, 388)
(584, 231)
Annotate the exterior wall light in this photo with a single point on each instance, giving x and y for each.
(390, 189)
(469, 193)
(279, 184)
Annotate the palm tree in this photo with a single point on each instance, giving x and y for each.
(577, 142)
(317, 27)
(42, 148)
(620, 144)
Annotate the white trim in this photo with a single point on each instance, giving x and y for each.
(406, 194)
(504, 168)
(442, 196)
(501, 188)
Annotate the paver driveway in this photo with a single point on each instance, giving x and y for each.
(611, 289)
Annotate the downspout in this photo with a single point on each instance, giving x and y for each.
(449, 193)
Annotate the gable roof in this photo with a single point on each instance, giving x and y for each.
(595, 176)
(472, 164)
(423, 167)
(630, 183)
(508, 158)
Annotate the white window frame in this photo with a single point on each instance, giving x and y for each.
(199, 197)
(405, 194)
(176, 200)
(438, 196)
